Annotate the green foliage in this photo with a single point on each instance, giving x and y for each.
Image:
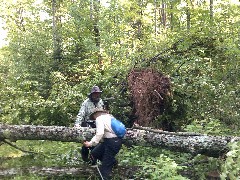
(155, 162)
(152, 163)
(201, 60)
(231, 166)
(159, 167)
(149, 162)
(48, 154)
(201, 86)
(210, 126)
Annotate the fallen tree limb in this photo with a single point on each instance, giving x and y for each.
(82, 172)
(49, 171)
(167, 132)
(16, 147)
(214, 146)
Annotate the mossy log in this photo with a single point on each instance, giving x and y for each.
(194, 143)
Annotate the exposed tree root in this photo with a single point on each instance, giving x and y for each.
(150, 91)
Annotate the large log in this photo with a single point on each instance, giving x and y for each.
(194, 143)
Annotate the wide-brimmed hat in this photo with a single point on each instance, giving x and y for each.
(97, 110)
(95, 89)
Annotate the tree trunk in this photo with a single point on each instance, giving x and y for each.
(171, 15)
(194, 143)
(56, 22)
(211, 10)
(94, 16)
(163, 14)
(155, 18)
(188, 17)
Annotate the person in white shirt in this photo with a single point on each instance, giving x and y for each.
(110, 144)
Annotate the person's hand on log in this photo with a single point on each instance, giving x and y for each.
(136, 125)
(77, 126)
(87, 144)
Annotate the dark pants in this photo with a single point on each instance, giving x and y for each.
(106, 152)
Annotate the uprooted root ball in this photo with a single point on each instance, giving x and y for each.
(150, 90)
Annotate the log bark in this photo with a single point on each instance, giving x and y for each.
(49, 171)
(194, 143)
(81, 172)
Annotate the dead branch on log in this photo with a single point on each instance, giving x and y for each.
(166, 132)
(194, 163)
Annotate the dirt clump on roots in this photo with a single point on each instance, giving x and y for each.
(149, 90)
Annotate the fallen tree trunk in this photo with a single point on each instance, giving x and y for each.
(82, 172)
(49, 171)
(214, 146)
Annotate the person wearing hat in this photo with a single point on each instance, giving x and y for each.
(110, 144)
(93, 101)
(83, 120)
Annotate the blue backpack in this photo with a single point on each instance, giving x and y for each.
(118, 127)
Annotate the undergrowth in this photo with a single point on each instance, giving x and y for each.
(146, 162)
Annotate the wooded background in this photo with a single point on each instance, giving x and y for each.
(57, 50)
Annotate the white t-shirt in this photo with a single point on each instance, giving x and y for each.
(103, 129)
